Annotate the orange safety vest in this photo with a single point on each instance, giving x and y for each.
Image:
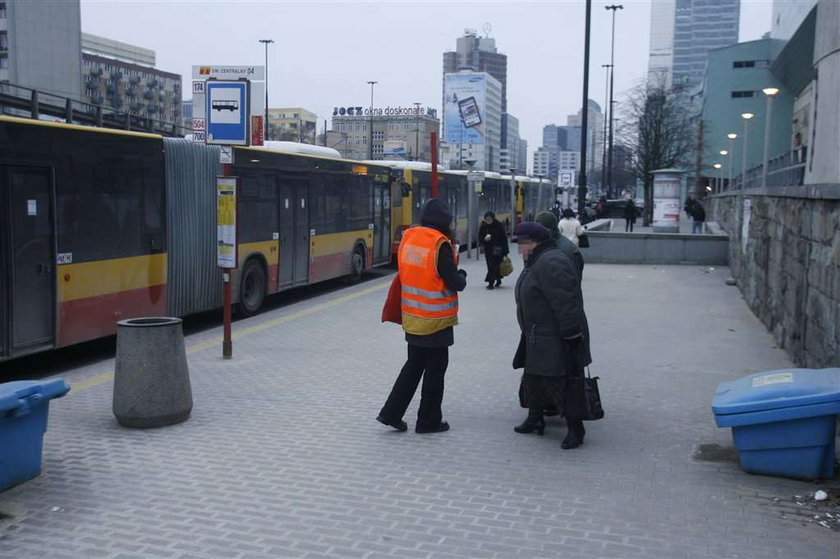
(428, 306)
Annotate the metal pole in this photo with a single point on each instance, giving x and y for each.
(744, 152)
(370, 146)
(585, 116)
(512, 200)
(614, 9)
(267, 133)
(607, 108)
(731, 158)
(227, 277)
(767, 120)
(433, 142)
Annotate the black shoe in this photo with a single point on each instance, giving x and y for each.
(440, 428)
(575, 436)
(489, 286)
(399, 425)
(551, 412)
(498, 283)
(529, 426)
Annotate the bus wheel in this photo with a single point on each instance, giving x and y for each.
(357, 265)
(251, 288)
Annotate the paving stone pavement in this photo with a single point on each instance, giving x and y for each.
(282, 456)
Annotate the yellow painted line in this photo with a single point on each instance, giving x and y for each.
(241, 333)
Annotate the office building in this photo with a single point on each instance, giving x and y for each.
(123, 77)
(478, 54)
(683, 32)
(472, 119)
(40, 46)
(510, 155)
(292, 125)
(399, 133)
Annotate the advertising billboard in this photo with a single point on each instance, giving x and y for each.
(464, 108)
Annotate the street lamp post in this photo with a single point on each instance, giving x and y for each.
(722, 152)
(746, 117)
(770, 92)
(585, 116)
(719, 181)
(417, 131)
(614, 9)
(731, 137)
(607, 108)
(265, 124)
(512, 200)
(370, 144)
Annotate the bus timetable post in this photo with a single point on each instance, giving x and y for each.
(227, 243)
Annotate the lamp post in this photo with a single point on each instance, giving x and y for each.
(585, 116)
(746, 117)
(512, 200)
(607, 108)
(370, 144)
(265, 124)
(718, 166)
(472, 226)
(417, 131)
(723, 152)
(731, 136)
(769, 92)
(614, 9)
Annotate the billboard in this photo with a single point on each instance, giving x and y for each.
(464, 108)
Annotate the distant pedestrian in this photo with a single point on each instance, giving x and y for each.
(430, 281)
(699, 216)
(629, 215)
(570, 227)
(556, 209)
(549, 310)
(494, 239)
(688, 207)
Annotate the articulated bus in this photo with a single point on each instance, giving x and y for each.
(412, 186)
(101, 225)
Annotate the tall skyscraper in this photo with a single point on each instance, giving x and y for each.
(478, 54)
(684, 31)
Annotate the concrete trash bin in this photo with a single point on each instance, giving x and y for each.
(151, 378)
(24, 408)
(783, 422)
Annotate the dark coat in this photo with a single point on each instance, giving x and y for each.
(498, 243)
(630, 211)
(698, 213)
(550, 313)
(569, 248)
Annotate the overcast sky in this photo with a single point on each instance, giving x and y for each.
(325, 52)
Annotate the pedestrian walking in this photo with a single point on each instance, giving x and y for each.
(629, 215)
(698, 213)
(688, 207)
(549, 310)
(492, 235)
(430, 280)
(570, 227)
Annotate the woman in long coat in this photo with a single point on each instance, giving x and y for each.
(492, 235)
(549, 310)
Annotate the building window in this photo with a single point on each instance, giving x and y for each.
(4, 40)
(4, 62)
(737, 94)
(2, 10)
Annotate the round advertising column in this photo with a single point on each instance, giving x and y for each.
(667, 186)
(151, 378)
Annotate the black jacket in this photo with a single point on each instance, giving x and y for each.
(498, 243)
(697, 212)
(630, 211)
(549, 310)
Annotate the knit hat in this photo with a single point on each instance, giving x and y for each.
(531, 231)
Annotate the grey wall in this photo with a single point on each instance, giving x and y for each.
(656, 248)
(45, 46)
(788, 264)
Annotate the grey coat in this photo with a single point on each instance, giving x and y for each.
(550, 314)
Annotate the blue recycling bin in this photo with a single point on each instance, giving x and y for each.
(24, 407)
(783, 422)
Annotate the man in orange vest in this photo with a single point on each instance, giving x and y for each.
(430, 281)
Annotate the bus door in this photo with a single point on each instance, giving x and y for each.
(27, 260)
(294, 231)
(381, 221)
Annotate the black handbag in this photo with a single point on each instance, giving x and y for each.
(583, 399)
(583, 241)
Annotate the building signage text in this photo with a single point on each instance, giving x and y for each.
(384, 111)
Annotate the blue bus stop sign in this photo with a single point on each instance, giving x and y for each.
(227, 113)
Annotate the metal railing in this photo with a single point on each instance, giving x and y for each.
(20, 101)
(784, 170)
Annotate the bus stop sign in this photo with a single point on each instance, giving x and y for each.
(228, 113)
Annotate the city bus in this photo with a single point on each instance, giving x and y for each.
(99, 225)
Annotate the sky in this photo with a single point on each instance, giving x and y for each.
(324, 53)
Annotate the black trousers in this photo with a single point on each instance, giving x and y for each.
(628, 225)
(494, 263)
(430, 363)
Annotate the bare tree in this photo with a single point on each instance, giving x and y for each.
(659, 130)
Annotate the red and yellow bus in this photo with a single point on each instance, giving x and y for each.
(101, 225)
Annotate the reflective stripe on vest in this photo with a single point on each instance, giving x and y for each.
(427, 305)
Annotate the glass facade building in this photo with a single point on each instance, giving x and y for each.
(701, 26)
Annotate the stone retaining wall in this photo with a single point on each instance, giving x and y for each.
(788, 264)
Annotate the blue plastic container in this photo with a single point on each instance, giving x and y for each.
(783, 422)
(24, 407)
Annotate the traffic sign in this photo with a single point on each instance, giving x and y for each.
(227, 113)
